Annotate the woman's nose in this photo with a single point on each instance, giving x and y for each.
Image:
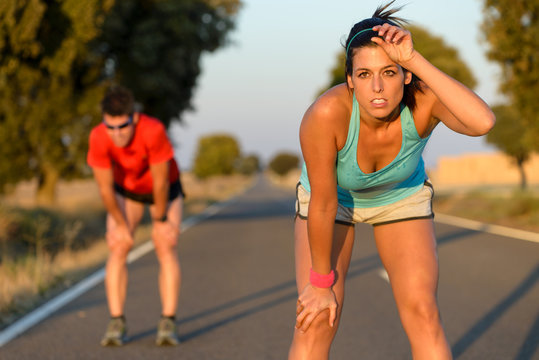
(377, 84)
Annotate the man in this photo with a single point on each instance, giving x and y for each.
(133, 165)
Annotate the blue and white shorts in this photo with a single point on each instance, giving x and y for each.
(415, 206)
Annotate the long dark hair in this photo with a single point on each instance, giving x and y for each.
(382, 15)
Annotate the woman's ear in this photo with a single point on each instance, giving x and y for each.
(407, 77)
(349, 81)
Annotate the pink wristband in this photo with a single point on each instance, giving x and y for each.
(322, 281)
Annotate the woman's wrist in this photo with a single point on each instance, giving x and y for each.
(321, 280)
(414, 62)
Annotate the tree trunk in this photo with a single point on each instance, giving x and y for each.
(523, 180)
(46, 188)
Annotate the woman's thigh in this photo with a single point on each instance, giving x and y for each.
(408, 251)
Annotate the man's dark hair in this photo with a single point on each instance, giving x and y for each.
(118, 101)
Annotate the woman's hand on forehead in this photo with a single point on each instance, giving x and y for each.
(396, 42)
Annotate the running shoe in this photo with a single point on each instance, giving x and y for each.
(115, 334)
(166, 333)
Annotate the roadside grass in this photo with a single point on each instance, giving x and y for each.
(45, 250)
(512, 208)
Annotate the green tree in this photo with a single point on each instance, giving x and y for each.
(511, 31)
(443, 56)
(216, 154)
(283, 162)
(432, 47)
(48, 88)
(57, 57)
(507, 136)
(154, 47)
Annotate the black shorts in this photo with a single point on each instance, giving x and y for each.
(174, 191)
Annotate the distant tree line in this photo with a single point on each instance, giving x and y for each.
(220, 154)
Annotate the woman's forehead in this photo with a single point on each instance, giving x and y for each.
(371, 57)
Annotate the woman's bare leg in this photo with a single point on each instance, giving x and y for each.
(408, 252)
(315, 343)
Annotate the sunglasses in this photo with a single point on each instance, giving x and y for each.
(121, 126)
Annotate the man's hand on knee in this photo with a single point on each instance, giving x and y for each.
(119, 239)
(165, 233)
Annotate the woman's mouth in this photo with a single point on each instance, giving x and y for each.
(378, 102)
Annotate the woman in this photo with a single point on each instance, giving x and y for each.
(362, 143)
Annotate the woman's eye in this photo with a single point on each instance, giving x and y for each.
(389, 72)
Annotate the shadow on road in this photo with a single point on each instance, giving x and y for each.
(242, 300)
(529, 346)
(246, 308)
(250, 304)
(241, 314)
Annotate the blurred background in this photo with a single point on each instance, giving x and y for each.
(231, 80)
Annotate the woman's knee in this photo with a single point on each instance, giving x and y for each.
(319, 331)
(421, 310)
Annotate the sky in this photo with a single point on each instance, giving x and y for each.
(279, 56)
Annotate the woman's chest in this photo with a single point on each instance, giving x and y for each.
(377, 148)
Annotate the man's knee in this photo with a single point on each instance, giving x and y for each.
(165, 247)
(117, 247)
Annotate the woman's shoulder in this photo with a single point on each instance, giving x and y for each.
(328, 117)
(335, 103)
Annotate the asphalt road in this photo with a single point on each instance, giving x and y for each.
(238, 296)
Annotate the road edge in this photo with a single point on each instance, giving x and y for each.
(488, 228)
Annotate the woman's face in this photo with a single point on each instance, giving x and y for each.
(378, 82)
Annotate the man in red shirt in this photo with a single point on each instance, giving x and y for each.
(133, 165)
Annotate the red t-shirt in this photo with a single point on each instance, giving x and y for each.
(131, 164)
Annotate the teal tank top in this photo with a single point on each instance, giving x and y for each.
(399, 179)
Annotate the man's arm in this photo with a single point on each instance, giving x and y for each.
(160, 178)
(105, 182)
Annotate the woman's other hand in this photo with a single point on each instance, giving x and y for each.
(311, 302)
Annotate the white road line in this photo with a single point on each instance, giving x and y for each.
(478, 226)
(46, 309)
(37, 315)
(383, 274)
(492, 229)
